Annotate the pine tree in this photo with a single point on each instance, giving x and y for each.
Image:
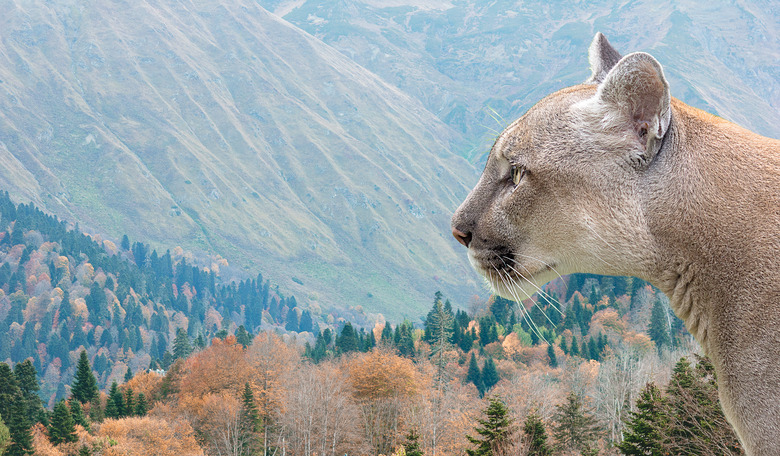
(551, 355)
(439, 329)
(140, 406)
(129, 403)
(495, 431)
(575, 348)
(250, 422)
(412, 444)
(576, 428)
(347, 340)
(19, 428)
(27, 380)
(78, 414)
(489, 374)
(474, 375)
(84, 387)
(181, 344)
(642, 436)
(243, 336)
(13, 409)
(62, 428)
(658, 325)
(536, 435)
(115, 405)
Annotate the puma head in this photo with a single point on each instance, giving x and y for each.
(563, 186)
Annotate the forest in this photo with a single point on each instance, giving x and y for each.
(110, 349)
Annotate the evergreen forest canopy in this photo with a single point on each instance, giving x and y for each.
(105, 338)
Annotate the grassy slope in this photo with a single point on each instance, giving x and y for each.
(223, 128)
(479, 65)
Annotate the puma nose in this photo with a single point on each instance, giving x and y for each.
(463, 238)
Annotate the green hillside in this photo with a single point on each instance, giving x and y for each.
(479, 65)
(225, 130)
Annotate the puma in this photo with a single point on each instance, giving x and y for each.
(615, 177)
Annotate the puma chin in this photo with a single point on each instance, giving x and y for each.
(614, 176)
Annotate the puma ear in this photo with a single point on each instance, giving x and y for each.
(602, 57)
(637, 95)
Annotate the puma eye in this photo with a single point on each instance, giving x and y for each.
(517, 173)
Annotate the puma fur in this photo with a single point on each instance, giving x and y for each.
(616, 177)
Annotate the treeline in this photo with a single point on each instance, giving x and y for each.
(265, 398)
(62, 291)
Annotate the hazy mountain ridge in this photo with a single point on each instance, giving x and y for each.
(479, 66)
(223, 128)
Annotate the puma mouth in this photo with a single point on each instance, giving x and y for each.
(508, 277)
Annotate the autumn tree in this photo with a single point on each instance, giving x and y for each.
(495, 431)
(321, 412)
(382, 384)
(84, 387)
(272, 363)
(168, 436)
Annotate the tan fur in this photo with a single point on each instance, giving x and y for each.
(624, 180)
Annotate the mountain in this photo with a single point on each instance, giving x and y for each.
(221, 128)
(479, 65)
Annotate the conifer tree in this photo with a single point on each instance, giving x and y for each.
(78, 414)
(243, 336)
(140, 406)
(19, 428)
(84, 387)
(576, 428)
(128, 374)
(115, 404)
(62, 429)
(642, 436)
(250, 421)
(474, 375)
(412, 444)
(536, 434)
(575, 348)
(551, 355)
(27, 380)
(489, 374)
(438, 330)
(129, 409)
(181, 344)
(347, 340)
(495, 431)
(658, 325)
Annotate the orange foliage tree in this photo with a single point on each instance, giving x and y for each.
(382, 383)
(149, 436)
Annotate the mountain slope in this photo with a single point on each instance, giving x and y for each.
(479, 65)
(221, 128)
